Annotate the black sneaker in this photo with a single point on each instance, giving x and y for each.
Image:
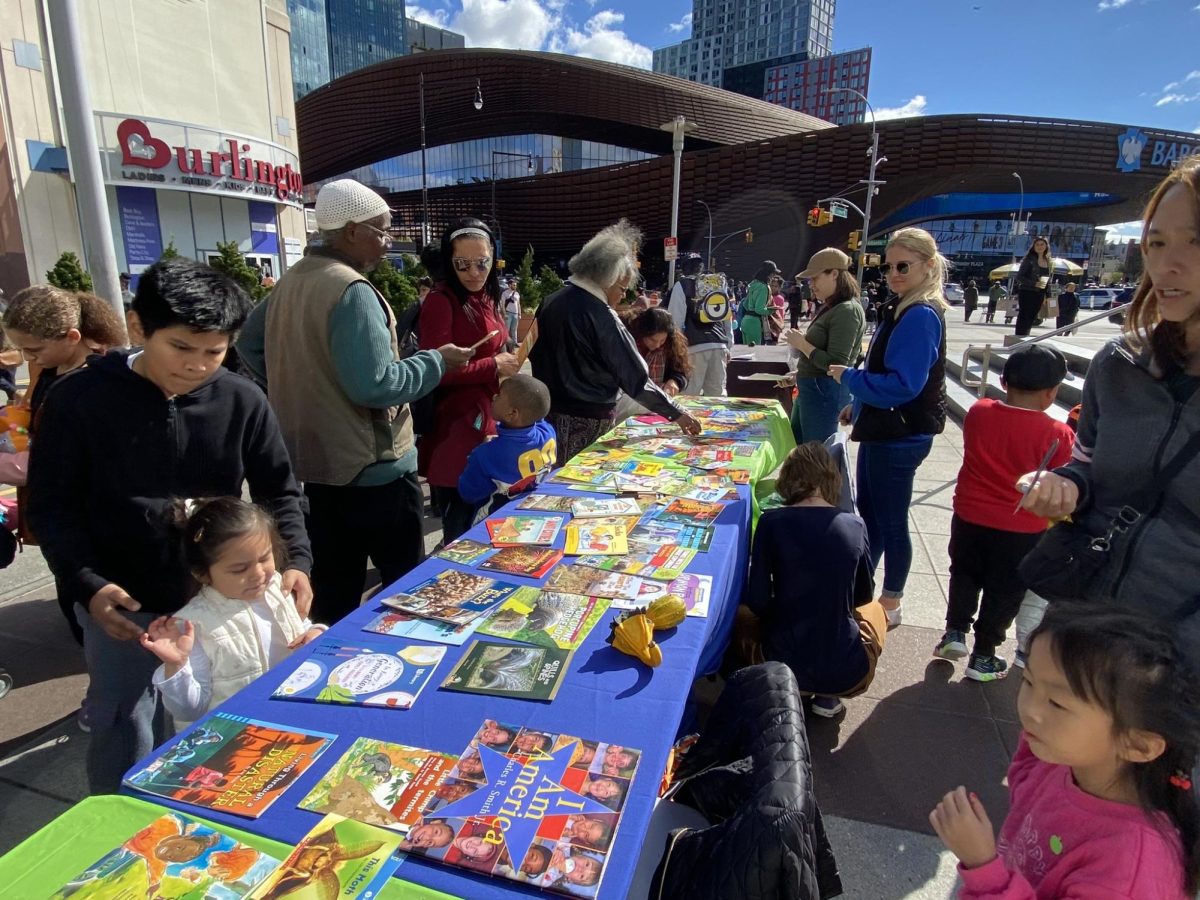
(986, 668)
(953, 645)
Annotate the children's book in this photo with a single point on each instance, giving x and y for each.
(544, 812)
(504, 670)
(545, 618)
(173, 856)
(380, 783)
(338, 858)
(592, 582)
(465, 551)
(706, 494)
(400, 624)
(362, 673)
(664, 564)
(546, 503)
(694, 590)
(690, 512)
(532, 562)
(651, 534)
(232, 764)
(454, 597)
(576, 474)
(737, 476)
(635, 467)
(516, 531)
(592, 507)
(586, 536)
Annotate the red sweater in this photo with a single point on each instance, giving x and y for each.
(464, 397)
(1000, 444)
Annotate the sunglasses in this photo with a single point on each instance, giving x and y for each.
(901, 268)
(482, 264)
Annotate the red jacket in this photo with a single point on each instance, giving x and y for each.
(464, 397)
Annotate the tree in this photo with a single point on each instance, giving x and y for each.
(527, 284)
(169, 252)
(68, 273)
(230, 261)
(548, 281)
(397, 289)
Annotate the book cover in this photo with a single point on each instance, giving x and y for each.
(173, 856)
(706, 494)
(545, 809)
(515, 531)
(652, 534)
(382, 784)
(361, 673)
(635, 467)
(596, 537)
(545, 618)
(502, 670)
(532, 562)
(464, 551)
(576, 474)
(398, 624)
(664, 564)
(592, 582)
(593, 507)
(453, 596)
(232, 764)
(690, 512)
(338, 858)
(694, 590)
(546, 503)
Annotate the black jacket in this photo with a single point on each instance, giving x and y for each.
(750, 775)
(584, 355)
(112, 451)
(1028, 274)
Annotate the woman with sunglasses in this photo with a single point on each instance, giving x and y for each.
(899, 402)
(1032, 279)
(463, 308)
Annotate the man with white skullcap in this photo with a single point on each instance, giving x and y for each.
(341, 392)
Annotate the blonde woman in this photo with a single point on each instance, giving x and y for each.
(899, 402)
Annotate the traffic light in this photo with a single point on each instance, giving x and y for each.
(749, 236)
(814, 216)
(824, 217)
(855, 237)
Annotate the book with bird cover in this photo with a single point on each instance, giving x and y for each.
(361, 673)
(338, 858)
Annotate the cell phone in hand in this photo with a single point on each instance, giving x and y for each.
(483, 340)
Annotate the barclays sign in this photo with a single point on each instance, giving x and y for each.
(1132, 143)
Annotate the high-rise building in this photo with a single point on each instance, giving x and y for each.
(310, 45)
(805, 85)
(728, 33)
(423, 36)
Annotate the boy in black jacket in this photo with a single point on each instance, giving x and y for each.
(117, 441)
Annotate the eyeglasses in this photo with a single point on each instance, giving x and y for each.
(379, 232)
(482, 264)
(900, 267)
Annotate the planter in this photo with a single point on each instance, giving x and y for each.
(524, 325)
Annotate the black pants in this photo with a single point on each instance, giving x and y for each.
(1029, 304)
(349, 524)
(794, 314)
(1065, 318)
(985, 559)
(457, 514)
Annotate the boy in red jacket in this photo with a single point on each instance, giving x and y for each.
(988, 534)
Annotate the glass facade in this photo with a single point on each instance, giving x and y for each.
(310, 45)
(364, 32)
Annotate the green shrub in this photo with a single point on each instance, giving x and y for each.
(68, 273)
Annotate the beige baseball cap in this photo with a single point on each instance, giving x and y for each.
(824, 260)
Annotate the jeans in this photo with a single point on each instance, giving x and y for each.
(815, 412)
(886, 470)
(708, 372)
(511, 320)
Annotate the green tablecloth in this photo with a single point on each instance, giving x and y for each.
(43, 862)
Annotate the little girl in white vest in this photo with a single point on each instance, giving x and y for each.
(239, 625)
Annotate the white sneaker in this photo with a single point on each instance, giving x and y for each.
(894, 617)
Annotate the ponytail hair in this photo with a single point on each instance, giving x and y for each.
(1132, 667)
(921, 242)
(50, 313)
(204, 526)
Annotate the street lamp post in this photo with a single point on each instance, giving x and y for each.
(477, 103)
(679, 126)
(708, 263)
(495, 218)
(871, 182)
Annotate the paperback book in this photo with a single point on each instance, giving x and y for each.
(532, 562)
(575, 474)
(362, 673)
(503, 670)
(338, 858)
(595, 507)
(516, 531)
(453, 596)
(596, 537)
(381, 783)
(398, 624)
(232, 764)
(540, 808)
(694, 590)
(664, 564)
(464, 551)
(651, 534)
(546, 503)
(173, 856)
(592, 582)
(690, 512)
(545, 618)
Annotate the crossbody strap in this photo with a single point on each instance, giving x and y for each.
(1168, 472)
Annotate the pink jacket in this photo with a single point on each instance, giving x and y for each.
(1059, 843)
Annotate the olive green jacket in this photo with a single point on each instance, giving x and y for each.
(836, 334)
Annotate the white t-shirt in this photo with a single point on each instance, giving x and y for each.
(512, 301)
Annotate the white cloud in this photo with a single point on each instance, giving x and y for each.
(1123, 231)
(1112, 4)
(600, 39)
(684, 24)
(437, 17)
(1171, 93)
(914, 107)
(508, 24)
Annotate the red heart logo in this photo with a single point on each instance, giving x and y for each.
(139, 147)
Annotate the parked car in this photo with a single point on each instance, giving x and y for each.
(954, 293)
(1124, 295)
(1098, 298)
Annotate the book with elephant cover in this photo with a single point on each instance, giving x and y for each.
(545, 618)
(361, 673)
(505, 670)
(338, 858)
(539, 808)
(173, 856)
(382, 783)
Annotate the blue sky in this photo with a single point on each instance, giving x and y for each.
(1126, 61)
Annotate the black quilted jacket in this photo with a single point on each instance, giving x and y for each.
(750, 775)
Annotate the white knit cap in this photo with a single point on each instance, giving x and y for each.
(345, 200)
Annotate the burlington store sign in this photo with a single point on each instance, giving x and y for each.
(158, 153)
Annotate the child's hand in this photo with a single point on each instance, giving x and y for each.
(307, 638)
(170, 642)
(962, 823)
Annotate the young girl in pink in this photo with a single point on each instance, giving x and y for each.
(1103, 805)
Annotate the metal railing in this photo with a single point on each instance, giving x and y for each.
(984, 351)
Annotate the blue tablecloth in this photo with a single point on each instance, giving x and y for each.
(605, 696)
